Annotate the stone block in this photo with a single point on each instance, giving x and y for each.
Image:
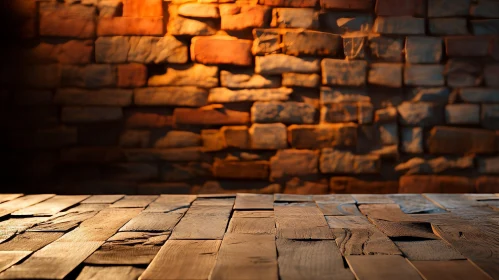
(464, 72)
(424, 75)
(490, 116)
(322, 136)
(485, 9)
(485, 26)
(89, 76)
(70, 52)
(244, 17)
(289, 3)
(412, 140)
(346, 22)
(132, 138)
(491, 72)
(487, 184)
(479, 95)
(312, 43)
(386, 74)
(171, 96)
(210, 116)
(352, 185)
(283, 112)
(344, 73)
(423, 49)
(241, 170)
(404, 25)
(295, 18)
(347, 4)
(339, 112)
(167, 49)
(90, 114)
(453, 140)
(420, 114)
(448, 26)
(388, 133)
(199, 10)
(339, 162)
(488, 165)
(132, 75)
(267, 41)
(281, 63)
(268, 136)
(354, 46)
(180, 172)
(60, 20)
(287, 163)
(182, 26)
(301, 80)
(142, 8)
(172, 155)
(436, 184)
(112, 49)
(339, 95)
(448, 8)
(109, 8)
(366, 113)
(206, 50)
(247, 79)
(386, 48)
(401, 8)
(385, 115)
(306, 186)
(179, 139)
(236, 137)
(467, 46)
(127, 26)
(103, 97)
(147, 119)
(225, 95)
(462, 114)
(187, 75)
(433, 94)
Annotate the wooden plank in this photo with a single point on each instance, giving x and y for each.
(281, 197)
(10, 258)
(183, 259)
(301, 222)
(246, 256)
(415, 204)
(167, 203)
(103, 199)
(405, 229)
(338, 198)
(203, 222)
(129, 248)
(252, 225)
(254, 202)
(428, 250)
(51, 206)
(214, 202)
(217, 195)
(30, 241)
(329, 208)
(153, 222)
(449, 270)
(59, 258)
(64, 221)
(110, 273)
(386, 212)
(134, 201)
(350, 222)
(305, 260)
(9, 207)
(88, 207)
(381, 267)
(9, 196)
(362, 241)
(372, 198)
(253, 214)
(449, 201)
(11, 227)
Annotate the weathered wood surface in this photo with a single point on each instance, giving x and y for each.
(9, 196)
(401, 236)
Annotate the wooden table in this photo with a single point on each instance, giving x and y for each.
(250, 236)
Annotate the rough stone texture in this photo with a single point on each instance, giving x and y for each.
(225, 95)
(241, 170)
(436, 184)
(399, 25)
(131, 75)
(434, 166)
(386, 74)
(248, 79)
(439, 95)
(295, 18)
(488, 165)
(424, 75)
(123, 26)
(210, 115)
(283, 112)
(464, 72)
(386, 48)
(235, 17)
(103, 97)
(178, 139)
(400, 8)
(344, 73)
(385, 115)
(322, 136)
(289, 3)
(352, 185)
(485, 26)
(311, 43)
(448, 8)
(142, 8)
(178, 25)
(90, 114)
(59, 20)
(420, 114)
(301, 80)
(70, 52)
(448, 26)
(388, 133)
(467, 46)
(206, 50)
(355, 45)
(266, 41)
(347, 4)
(199, 10)
(340, 112)
(112, 49)
(236, 136)
(442, 140)
(479, 95)
(340, 95)
(423, 50)
(157, 49)
(171, 96)
(89, 76)
(268, 136)
(281, 63)
(490, 116)
(411, 140)
(462, 114)
(485, 9)
(292, 162)
(187, 75)
(338, 162)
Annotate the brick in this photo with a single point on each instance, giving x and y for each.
(103, 97)
(388, 133)
(60, 20)
(236, 137)
(225, 95)
(289, 3)
(89, 76)
(386, 74)
(181, 26)
(462, 114)
(91, 155)
(434, 94)
(198, 10)
(464, 72)
(385, 115)
(488, 165)
(311, 43)
(281, 63)
(212, 140)
(244, 17)
(424, 75)
(339, 162)
(339, 95)
(283, 112)
(485, 26)
(147, 50)
(386, 48)
(295, 18)
(420, 114)
(354, 46)
(179, 139)
(135, 138)
(436, 184)
(479, 95)
(112, 49)
(142, 8)
(215, 116)
(347, 4)
(306, 186)
(448, 8)
(448, 26)
(467, 46)
(206, 50)
(132, 75)
(490, 116)
(442, 140)
(173, 155)
(175, 172)
(187, 75)
(423, 50)
(268, 136)
(287, 163)
(267, 41)
(399, 25)
(436, 165)
(339, 112)
(241, 170)
(148, 120)
(322, 136)
(301, 80)
(365, 112)
(109, 8)
(241, 79)
(485, 9)
(487, 184)
(349, 185)
(231, 187)
(171, 96)
(71, 52)
(341, 22)
(123, 26)
(90, 114)
(344, 73)
(491, 72)
(412, 140)
(401, 8)
(40, 76)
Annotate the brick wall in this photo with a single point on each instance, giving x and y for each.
(294, 96)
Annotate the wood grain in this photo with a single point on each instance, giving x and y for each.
(449, 201)
(9, 196)
(246, 256)
(305, 260)
(30, 241)
(203, 222)
(167, 203)
(372, 199)
(253, 214)
(10, 258)
(329, 208)
(153, 222)
(252, 225)
(386, 212)
(301, 222)
(382, 268)
(110, 273)
(9, 228)
(9, 207)
(183, 259)
(449, 270)
(254, 202)
(415, 204)
(337, 198)
(280, 197)
(359, 241)
(134, 201)
(405, 229)
(64, 221)
(428, 250)
(350, 222)
(51, 206)
(103, 199)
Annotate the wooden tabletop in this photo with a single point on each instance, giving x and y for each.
(250, 236)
